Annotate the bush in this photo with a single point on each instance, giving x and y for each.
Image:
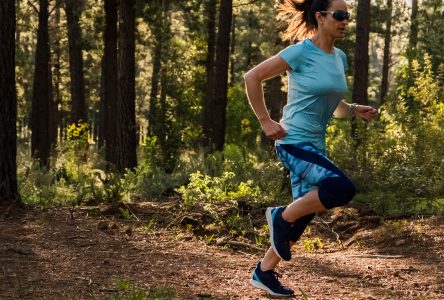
(398, 161)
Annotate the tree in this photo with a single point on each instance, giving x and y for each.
(360, 83)
(386, 59)
(8, 106)
(157, 28)
(210, 9)
(220, 99)
(109, 75)
(73, 10)
(55, 117)
(42, 91)
(126, 89)
(413, 40)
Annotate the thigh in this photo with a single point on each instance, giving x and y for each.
(308, 166)
(299, 187)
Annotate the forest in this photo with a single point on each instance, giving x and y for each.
(126, 134)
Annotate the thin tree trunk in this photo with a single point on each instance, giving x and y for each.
(8, 106)
(232, 48)
(100, 118)
(73, 10)
(56, 100)
(413, 26)
(41, 94)
(157, 64)
(386, 59)
(162, 119)
(360, 83)
(207, 117)
(126, 91)
(221, 75)
(110, 113)
(411, 50)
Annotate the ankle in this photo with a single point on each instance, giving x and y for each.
(286, 217)
(265, 268)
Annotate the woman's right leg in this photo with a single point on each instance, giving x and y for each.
(333, 189)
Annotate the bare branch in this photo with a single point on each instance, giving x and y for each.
(55, 6)
(33, 6)
(242, 244)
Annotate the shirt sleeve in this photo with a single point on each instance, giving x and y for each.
(293, 55)
(344, 59)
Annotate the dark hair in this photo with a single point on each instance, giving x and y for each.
(300, 16)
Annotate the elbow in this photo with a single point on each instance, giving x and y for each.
(247, 76)
(251, 76)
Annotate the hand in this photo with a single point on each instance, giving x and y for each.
(273, 129)
(365, 112)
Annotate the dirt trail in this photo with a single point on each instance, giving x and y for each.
(50, 255)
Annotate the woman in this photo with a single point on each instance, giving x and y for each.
(316, 84)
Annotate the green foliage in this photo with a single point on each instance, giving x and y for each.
(397, 161)
(242, 125)
(77, 135)
(431, 39)
(149, 226)
(125, 213)
(211, 189)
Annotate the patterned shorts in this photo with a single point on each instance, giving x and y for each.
(305, 174)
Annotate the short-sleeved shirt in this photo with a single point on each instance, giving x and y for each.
(316, 85)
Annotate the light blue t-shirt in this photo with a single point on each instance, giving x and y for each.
(316, 85)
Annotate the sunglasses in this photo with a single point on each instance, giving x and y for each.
(338, 15)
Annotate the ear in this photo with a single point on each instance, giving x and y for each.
(318, 17)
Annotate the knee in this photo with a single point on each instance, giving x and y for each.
(336, 191)
(346, 192)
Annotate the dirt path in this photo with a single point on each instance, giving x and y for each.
(49, 255)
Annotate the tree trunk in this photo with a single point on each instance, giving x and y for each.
(411, 50)
(413, 26)
(360, 83)
(57, 97)
(386, 60)
(41, 94)
(73, 10)
(100, 117)
(110, 113)
(221, 75)
(232, 48)
(153, 117)
(8, 107)
(209, 70)
(126, 89)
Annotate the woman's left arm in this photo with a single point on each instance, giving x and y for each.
(345, 110)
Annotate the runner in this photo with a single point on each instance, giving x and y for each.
(316, 84)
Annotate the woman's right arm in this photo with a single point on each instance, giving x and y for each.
(253, 83)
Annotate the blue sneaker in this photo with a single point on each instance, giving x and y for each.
(279, 232)
(269, 282)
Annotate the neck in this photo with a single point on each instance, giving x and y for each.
(323, 42)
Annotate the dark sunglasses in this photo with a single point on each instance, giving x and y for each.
(338, 15)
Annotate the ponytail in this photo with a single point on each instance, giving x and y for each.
(300, 16)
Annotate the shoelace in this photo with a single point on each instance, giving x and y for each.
(277, 275)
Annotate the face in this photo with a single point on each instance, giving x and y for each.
(329, 23)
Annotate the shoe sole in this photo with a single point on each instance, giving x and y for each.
(259, 285)
(270, 227)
